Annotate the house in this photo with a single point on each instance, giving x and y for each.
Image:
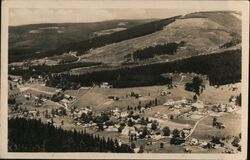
(68, 97)
(165, 117)
(138, 127)
(219, 108)
(111, 129)
(188, 150)
(117, 126)
(124, 114)
(128, 130)
(203, 144)
(28, 96)
(116, 112)
(105, 85)
(219, 125)
(164, 92)
(194, 141)
(115, 98)
(186, 131)
(136, 150)
(171, 102)
(198, 105)
(32, 113)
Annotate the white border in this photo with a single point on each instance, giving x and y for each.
(242, 6)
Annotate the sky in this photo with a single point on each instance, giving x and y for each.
(78, 11)
(21, 16)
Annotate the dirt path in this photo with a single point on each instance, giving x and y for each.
(193, 129)
(77, 96)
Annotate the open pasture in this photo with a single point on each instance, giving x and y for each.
(231, 121)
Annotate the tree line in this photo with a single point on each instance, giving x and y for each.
(30, 135)
(221, 68)
(150, 52)
(45, 69)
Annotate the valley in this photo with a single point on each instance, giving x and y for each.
(168, 85)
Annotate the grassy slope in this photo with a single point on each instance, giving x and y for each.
(202, 32)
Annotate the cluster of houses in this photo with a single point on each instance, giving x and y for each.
(77, 112)
(223, 108)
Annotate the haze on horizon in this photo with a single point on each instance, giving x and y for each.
(24, 16)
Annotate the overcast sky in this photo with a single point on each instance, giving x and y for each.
(20, 16)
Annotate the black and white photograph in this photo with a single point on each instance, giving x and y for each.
(123, 78)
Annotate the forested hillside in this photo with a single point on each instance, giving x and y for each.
(221, 68)
(34, 136)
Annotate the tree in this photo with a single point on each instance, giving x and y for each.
(161, 145)
(128, 108)
(196, 85)
(176, 133)
(154, 125)
(145, 132)
(141, 150)
(166, 131)
(214, 121)
(238, 100)
(195, 98)
(133, 146)
(100, 127)
(156, 102)
(130, 123)
(171, 117)
(216, 140)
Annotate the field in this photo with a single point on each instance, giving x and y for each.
(232, 122)
(98, 97)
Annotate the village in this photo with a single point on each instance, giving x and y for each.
(152, 121)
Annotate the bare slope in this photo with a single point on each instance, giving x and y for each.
(202, 33)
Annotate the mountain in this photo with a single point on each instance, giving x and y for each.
(201, 33)
(207, 43)
(26, 41)
(116, 41)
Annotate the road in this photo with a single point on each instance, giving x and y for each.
(79, 58)
(193, 129)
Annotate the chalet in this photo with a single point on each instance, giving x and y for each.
(111, 129)
(173, 103)
(105, 85)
